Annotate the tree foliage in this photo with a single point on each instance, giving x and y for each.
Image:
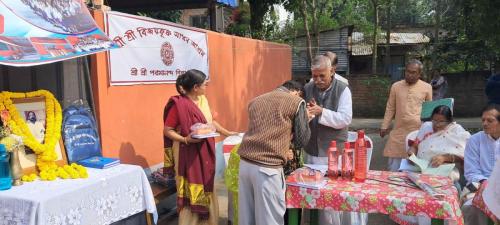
(241, 21)
(258, 11)
(471, 39)
(168, 15)
(465, 34)
(241, 25)
(487, 23)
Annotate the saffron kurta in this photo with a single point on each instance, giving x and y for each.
(404, 106)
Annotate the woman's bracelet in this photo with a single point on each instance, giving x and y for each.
(185, 140)
(452, 158)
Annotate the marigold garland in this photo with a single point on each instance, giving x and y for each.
(46, 155)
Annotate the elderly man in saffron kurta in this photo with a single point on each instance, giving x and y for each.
(404, 105)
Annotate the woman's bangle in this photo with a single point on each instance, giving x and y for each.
(185, 140)
(452, 158)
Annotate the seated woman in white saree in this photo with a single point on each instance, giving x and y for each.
(438, 141)
(441, 141)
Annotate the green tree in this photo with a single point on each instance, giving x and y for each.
(271, 27)
(469, 43)
(241, 21)
(375, 4)
(388, 15)
(487, 25)
(311, 17)
(168, 15)
(258, 11)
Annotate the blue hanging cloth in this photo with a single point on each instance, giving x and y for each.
(232, 3)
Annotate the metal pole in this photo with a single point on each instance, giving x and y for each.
(86, 74)
(213, 15)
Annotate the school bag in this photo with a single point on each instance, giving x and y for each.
(79, 132)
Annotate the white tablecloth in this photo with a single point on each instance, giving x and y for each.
(106, 196)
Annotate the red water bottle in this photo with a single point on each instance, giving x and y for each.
(333, 164)
(360, 169)
(347, 166)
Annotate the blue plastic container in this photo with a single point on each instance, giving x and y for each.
(5, 178)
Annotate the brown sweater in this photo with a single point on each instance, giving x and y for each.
(271, 120)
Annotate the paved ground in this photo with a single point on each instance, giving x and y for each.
(378, 163)
(473, 123)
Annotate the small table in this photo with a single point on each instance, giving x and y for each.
(106, 196)
(376, 196)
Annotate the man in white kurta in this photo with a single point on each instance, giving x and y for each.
(329, 100)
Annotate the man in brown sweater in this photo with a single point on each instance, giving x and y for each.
(274, 118)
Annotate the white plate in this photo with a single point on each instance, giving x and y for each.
(200, 136)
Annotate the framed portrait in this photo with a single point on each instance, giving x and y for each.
(32, 110)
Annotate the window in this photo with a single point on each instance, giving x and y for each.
(200, 21)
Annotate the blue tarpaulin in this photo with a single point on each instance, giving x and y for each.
(232, 3)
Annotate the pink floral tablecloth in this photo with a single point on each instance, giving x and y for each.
(479, 202)
(374, 196)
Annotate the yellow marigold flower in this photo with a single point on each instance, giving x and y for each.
(9, 143)
(46, 154)
(74, 175)
(43, 176)
(26, 178)
(63, 174)
(52, 165)
(51, 177)
(42, 167)
(83, 173)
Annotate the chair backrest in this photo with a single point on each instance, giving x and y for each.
(228, 143)
(410, 138)
(352, 136)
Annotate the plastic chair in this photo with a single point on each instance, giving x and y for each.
(352, 136)
(227, 145)
(410, 138)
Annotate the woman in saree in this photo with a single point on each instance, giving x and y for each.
(438, 141)
(193, 159)
(441, 141)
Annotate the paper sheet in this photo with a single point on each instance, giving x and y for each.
(422, 165)
(322, 168)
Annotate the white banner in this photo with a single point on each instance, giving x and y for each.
(153, 51)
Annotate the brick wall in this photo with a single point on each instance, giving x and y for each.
(370, 93)
(468, 91)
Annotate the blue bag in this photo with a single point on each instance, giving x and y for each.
(80, 135)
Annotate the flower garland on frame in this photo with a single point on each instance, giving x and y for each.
(46, 155)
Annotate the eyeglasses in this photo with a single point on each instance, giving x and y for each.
(440, 122)
(320, 77)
